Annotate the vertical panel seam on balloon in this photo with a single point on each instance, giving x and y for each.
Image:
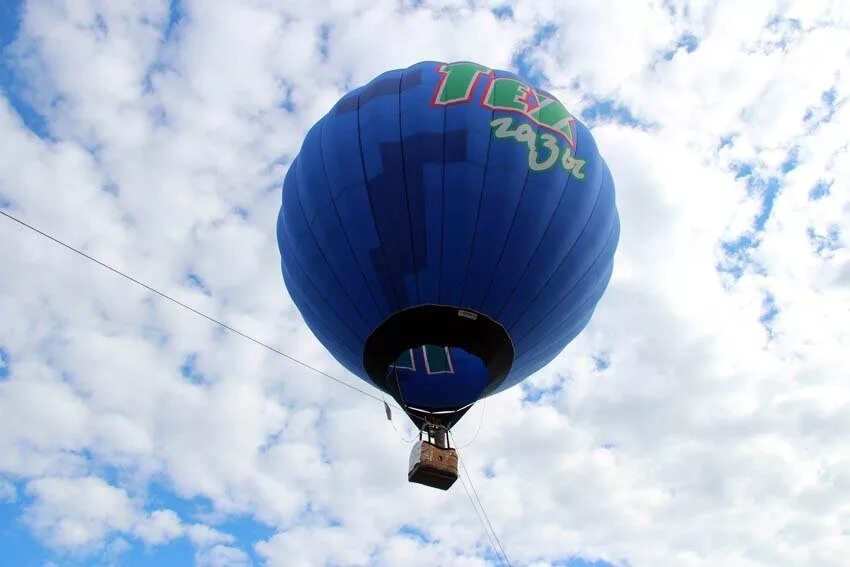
(508, 235)
(342, 226)
(590, 301)
(372, 210)
(569, 291)
(406, 191)
(567, 255)
(325, 256)
(327, 329)
(594, 297)
(478, 213)
(537, 247)
(442, 212)
(530, 361)
(315, 288)
(312, 283)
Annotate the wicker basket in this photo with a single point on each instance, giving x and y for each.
(432, 466)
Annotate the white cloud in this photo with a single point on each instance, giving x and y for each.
(590, 46)
(222, 556)
(45, 423)
(204, 536)
(88, 515)
(712, 437)
(77, 513)
(159, 527)
(312, 546)
(303, 547)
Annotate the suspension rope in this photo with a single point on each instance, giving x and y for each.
(477, 430)
(391, 420)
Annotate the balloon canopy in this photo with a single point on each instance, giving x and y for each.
(446, 230)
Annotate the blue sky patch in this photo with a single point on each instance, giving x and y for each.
(111, 189)
(19, 547)
(791, 160)
(823, 112)
(687, 41)
(243, 528)
(4, 363)
(738, 251)
(195, 281)
(769, 190)
(12, 83)
(10, 12)
(828, 242)
(819, 190)
(601, 361)
(246, 530)
(523, 59)
(189, 370)
(414, 533)
(737, 255)
(769, 311)
(324, 41)
(175, 553)
(176, 16)
(503, 12)
(742, 169)
(602, 111)
(788, 30)
(726, 141)
(581, 562)
(534, 395)
(670, 6)
(286, 102)
(189, 509)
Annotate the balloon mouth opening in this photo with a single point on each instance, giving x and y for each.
(439, 337)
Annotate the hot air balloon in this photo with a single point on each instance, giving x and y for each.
(446, 230)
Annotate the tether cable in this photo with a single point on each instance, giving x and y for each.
(483, 511)
(189, 308)
(481, 521)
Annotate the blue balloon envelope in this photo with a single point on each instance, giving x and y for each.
(446, 230)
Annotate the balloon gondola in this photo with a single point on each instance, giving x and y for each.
(445, 231)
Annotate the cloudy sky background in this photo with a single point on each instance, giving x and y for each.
(701, 419)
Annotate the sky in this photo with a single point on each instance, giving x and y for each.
(701, 418)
